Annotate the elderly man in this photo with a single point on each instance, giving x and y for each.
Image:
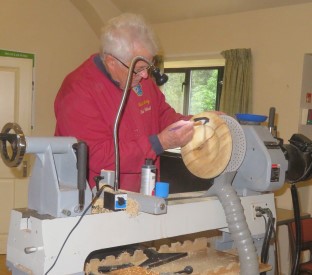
(87, 103)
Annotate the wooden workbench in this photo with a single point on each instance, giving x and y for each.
(285, 216)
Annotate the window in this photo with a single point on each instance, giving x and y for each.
(194, 90)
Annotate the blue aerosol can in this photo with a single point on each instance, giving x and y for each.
(148, 178)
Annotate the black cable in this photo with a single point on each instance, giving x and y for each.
(261, 212)
(263, 243)
(275, 250)
(296, 207)
(276, 253)
(98, 193)
(297, 217)
(298, 245)
(269, 228)
(269, 231)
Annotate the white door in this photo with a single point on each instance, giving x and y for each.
(16, 78)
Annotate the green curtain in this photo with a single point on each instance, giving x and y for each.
(236, 92)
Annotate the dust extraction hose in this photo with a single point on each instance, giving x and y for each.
(231, 203)
(237, 224)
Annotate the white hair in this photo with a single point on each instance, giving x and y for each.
(123, 32)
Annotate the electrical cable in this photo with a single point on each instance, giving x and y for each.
(276, 253)
(296, 207)
(277, 271)
(97, 195)
(269, 230)
(265, 243)
(265, 254)
(298, 245)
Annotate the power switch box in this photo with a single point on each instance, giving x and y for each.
(115, 201)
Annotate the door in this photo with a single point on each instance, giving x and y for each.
(16, 90)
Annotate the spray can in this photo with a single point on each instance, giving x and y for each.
(148, 178)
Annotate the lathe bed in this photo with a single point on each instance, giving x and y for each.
(35, 240)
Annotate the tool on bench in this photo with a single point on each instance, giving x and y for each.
(154, 258)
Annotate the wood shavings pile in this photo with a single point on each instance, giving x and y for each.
(132, 207)
(137, 258)
(98, 208)
(135, 270)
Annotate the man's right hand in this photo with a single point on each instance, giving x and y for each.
(177, 134)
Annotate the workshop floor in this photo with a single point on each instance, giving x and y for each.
(3, 268)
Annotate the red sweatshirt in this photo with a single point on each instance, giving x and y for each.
(86, 107)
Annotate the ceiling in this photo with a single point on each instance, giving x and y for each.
(97, 12)
(161, 11)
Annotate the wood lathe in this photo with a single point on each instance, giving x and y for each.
(60, 229)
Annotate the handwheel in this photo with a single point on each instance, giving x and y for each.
(13, 145)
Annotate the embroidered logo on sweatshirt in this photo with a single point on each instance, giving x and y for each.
(138, 90)
(144, 106)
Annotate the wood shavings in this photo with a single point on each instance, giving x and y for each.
(187, 246)
(204, 260)
(92, 267)
(135, 270)
(124, 258)
(98, 208)
(132, 207)
(231, 269)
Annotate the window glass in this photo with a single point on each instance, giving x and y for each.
(203, 92)
(194, 90)
(173, 90)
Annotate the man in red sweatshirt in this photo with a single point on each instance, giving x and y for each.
(88, 100)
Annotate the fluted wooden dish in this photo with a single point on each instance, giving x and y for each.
(209, 151)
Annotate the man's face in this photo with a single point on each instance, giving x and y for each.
(119, 71)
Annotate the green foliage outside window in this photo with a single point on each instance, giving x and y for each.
(203, 91)
(195, 95)
(174, 92)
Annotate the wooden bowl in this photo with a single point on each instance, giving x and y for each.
(209, 151)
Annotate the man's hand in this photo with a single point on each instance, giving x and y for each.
(177, 134)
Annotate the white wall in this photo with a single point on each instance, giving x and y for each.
(60, 38)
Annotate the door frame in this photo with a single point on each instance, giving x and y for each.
(15, 54)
